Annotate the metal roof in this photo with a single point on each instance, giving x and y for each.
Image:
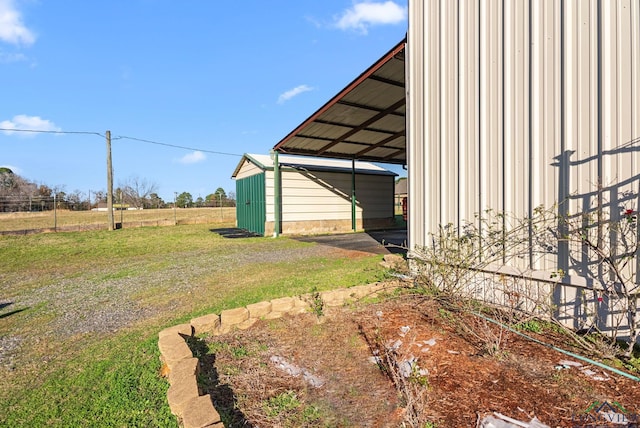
(307, 163)
(366, 120)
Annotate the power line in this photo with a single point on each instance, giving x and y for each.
(122, 137)
(175, 146)
(51, 132)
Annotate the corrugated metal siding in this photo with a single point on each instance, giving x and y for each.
(515, 104)
(251, 203)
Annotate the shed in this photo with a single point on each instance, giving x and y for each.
(297, 195)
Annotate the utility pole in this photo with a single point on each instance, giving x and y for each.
(55, 212)
(175, 215)
(109, 182)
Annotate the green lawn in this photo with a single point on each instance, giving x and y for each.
(80, 312)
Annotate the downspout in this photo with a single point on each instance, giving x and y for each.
(353, 194)
(276, 193)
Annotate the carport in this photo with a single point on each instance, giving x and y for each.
(365, 121)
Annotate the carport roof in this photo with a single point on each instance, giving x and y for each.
(366, 120)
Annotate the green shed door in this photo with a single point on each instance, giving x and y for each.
(251, 208)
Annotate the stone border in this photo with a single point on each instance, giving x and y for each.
(185, 400)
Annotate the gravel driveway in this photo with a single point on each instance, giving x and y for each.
(96, 302)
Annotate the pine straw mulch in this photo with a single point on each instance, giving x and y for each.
(460, 377)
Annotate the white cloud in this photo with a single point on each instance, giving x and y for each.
(194, 157)
(33, 123)
(12, 29)
(286, 96)
(6, 58)
(367, 13)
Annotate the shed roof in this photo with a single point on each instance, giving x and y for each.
(312, 164)
(366, 120)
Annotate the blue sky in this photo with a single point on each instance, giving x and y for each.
(213, 76)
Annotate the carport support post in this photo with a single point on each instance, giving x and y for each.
(353, 194)
(276, 193)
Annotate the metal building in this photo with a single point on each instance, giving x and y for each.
(509, 105)
(302, 195)
(516, 104)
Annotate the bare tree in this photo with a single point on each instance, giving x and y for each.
(137, 191)
(16, 192)
(74, 200)
(99, 196)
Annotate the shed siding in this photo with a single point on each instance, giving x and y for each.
(313, 195)
(248, 169)
(517, 104)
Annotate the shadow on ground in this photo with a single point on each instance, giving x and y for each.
(222, 396)
(8, 314)
(234, 232)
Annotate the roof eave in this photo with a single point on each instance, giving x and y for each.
(366, 74)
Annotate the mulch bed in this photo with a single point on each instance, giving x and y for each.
(466, 377)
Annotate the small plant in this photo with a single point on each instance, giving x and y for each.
(239, 352)
(445, 314)
(532, 326)
(602, 243)
(285, 402)
(417, 376)
(311, 414)
(316, 303)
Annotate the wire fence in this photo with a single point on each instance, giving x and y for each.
(47, 216)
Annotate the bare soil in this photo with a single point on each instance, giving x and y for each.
(463, 379)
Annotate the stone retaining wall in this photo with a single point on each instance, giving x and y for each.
(185, 400)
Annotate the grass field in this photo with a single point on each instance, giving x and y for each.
(80, 312)
(64, 218)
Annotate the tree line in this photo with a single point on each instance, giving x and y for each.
(19, 194)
